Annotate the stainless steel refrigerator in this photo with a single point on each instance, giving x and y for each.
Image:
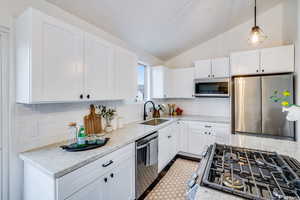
(254, 111)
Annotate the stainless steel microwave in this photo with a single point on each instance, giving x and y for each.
(212, 87)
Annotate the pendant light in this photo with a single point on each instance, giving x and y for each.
(257, 36)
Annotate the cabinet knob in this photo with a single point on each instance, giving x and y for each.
(112, 175)
(263, 70)
(105, 180)
(88, 96)
(213, 75)
(208, 75)
(169, 136)
(81, 96)
(257, 70)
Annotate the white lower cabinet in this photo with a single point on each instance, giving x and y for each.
(167, 145)
(115, 184)
(203, 134)
(108, 178)
(92, 191)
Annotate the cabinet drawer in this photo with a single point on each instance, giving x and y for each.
(200, 126)
(81, 177)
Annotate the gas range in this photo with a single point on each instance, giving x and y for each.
(250, 173)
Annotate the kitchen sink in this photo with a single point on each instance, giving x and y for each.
(155, 122)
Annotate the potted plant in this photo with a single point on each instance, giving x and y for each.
(292, 109)
(108, 114)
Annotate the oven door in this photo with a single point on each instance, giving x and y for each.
(212, 88)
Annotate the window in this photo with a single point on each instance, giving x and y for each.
(143, 82)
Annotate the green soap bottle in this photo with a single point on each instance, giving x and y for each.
(81, 136)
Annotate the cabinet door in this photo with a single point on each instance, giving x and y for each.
(99, 80)
(125, 74)
(57, 60)
(121, 181)
(222, 133)
(96, 190)
(183, 136)
(220, 67)
(202, 69)
(164, 146)
(183, 83)
(201, 135)
(243, 63)
(161, 82)
(278, 59)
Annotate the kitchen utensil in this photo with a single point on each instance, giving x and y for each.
(92, 122)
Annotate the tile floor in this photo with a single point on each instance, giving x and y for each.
(173, 185)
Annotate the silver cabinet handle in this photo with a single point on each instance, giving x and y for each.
(207, 126)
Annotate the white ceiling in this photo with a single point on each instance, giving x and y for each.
(164, 28)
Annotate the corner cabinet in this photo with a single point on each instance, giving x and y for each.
(263, 61)
(108, 178)
(125, 69)
(57, 62)
(172, 83)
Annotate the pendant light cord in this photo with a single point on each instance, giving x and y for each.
(255, 13)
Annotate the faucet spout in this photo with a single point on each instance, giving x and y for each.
(145, 112)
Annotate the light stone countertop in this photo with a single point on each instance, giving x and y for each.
(56, 162)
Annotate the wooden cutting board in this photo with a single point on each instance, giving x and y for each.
(92, 122)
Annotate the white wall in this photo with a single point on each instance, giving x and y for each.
(235, 39)
(218, 107)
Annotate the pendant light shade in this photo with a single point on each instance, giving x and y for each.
(257, 36)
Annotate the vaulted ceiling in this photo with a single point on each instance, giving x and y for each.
(164, 28)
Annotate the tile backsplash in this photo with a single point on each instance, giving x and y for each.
(203, 106)
(43, 124)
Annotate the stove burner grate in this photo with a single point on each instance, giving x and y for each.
(252, 174)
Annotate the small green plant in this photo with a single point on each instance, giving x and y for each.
(107, 113)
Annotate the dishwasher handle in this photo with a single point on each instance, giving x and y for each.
(142, 146)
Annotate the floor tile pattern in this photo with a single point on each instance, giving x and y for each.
(173, 185)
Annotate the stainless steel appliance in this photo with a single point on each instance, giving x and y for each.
(248, 173)
(146, 162)
(255, 113)
(211, 87)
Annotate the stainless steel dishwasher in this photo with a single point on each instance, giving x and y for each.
(146, 162)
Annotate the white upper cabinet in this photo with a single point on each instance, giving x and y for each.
(125, 69)
(220, 67)
(172, 83)
(202, 69)
(161, 82)
(278, 59)
(247, 62)
(264, 61)
(49, 59)
(98, 62)
(57, 62)
(212, 68)
(182, 83)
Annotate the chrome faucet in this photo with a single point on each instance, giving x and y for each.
(145, 112)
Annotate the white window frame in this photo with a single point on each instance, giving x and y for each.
(5, 110)
(147, 81)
